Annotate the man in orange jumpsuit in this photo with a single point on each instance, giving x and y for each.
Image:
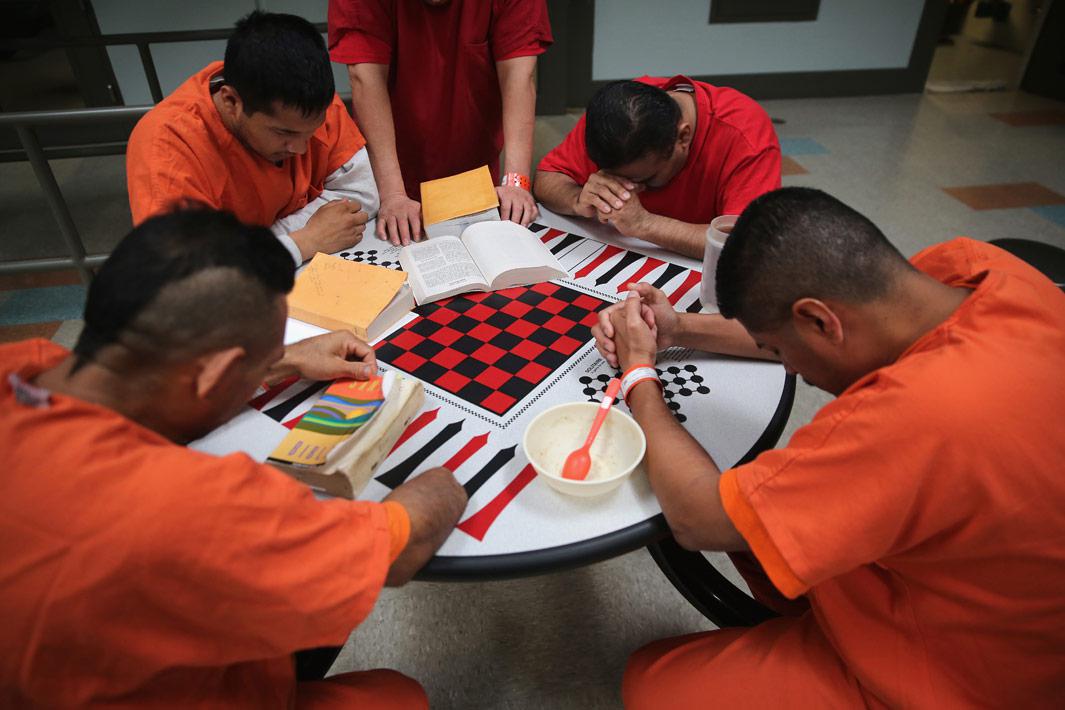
(262, 135)
(136, 572)
(919, 513)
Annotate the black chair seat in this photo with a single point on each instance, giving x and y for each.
(1047, 258)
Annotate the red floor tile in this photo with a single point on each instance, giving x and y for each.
(39, 279)
(13, 333)
(1005, 196)
(789, 166)
(1045, 117)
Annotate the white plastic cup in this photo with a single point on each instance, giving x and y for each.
(716, 234)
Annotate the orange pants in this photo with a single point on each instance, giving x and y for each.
(380, 689)
(785, 662)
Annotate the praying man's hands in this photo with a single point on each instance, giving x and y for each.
(656, 311)
(635, 341)
(516, 204)
(630, 219)
(603, 194)
(329, 356)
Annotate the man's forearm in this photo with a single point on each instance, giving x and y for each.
(683, 476)
(716, 334)
(517, 85)
(373, 114)
(557, 192)
(675, 235)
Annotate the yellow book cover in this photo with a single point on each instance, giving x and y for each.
(335, 293)
(459, 195)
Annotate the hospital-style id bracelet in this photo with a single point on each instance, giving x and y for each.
(635, 375)
(516, 180)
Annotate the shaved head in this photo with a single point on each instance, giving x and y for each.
(184, 284)
(796, 243)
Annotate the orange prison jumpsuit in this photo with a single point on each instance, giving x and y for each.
(922, 513)
(138, 573)
(181, 151)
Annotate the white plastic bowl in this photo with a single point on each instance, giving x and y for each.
(557, 431)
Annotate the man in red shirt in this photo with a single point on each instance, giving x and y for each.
(439, 88)
(659, 158)
(919, 514)
(135, 572)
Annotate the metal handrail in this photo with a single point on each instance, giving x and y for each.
(83, 116)
(142, 40)
(25, 123)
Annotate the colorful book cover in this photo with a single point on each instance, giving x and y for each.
(345, 407)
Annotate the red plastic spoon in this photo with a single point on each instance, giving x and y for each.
(579, 462)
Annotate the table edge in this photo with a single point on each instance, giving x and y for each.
(474, 568)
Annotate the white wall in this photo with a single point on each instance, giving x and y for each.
(175, 62)
(666, 37)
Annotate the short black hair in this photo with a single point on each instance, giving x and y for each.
(185, 282)
(798, 242)
(277, 57)
(628, 120)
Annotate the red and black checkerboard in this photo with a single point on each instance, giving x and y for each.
(493, 349)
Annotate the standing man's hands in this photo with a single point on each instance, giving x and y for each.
(516, 204)
(336, 225)
(399, 220)
(603, 194)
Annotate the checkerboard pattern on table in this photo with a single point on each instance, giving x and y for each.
(493, 349)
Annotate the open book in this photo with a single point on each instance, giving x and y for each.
(489, 256)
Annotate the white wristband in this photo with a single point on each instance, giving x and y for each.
(635, 376)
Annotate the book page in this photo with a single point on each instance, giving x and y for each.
(510, 255)
(441, 267)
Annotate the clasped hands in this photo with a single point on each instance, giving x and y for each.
(614, 200)
(632, 331)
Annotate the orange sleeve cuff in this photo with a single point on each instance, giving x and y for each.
(398, 528)
(749, 525)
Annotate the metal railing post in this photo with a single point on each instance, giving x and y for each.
(46, 179)
(149, 71)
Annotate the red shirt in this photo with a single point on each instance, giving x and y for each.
(923, 510)
(734, 158)
(138, 573)
(446, 104)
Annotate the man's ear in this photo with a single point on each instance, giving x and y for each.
(815, 319)
(231, 102)
(685, 133)
(215, 367)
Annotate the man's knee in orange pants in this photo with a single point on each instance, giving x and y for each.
(379, 689)
(785, 661)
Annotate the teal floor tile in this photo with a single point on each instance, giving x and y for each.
(37, 305)
(801, 146)
(1055, 213)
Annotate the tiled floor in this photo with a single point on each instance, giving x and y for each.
(923, 167)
